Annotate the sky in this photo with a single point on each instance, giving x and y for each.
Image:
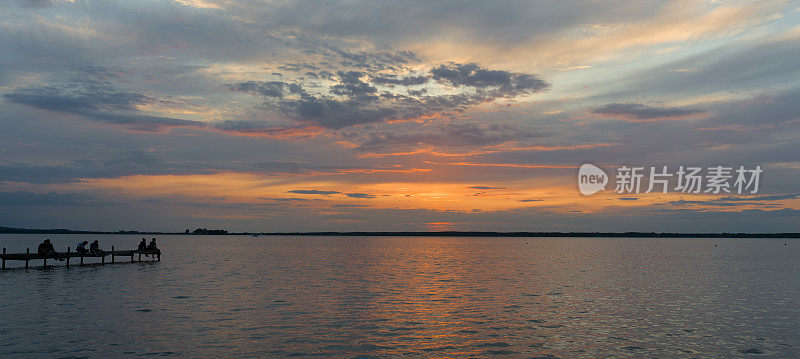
(394, 115)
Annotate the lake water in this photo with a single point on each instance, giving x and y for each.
(231, 296)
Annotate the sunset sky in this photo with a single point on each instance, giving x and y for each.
(393, 115)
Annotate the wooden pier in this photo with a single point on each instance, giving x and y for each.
(155, 254)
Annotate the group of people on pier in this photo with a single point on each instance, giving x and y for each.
(47, 250)
(144, 246)
(94, 249)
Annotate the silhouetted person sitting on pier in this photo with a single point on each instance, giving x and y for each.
(143, 246)
(46, 249)
(152, 246)
(94, 249)
(81, 248)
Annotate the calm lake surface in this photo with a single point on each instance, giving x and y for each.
(368, 297)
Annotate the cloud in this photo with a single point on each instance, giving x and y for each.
(268, 89)
(108, 165)
(21, 172)
(734, 201)
(36, 3)
(76, 98)
(486, 187)
(313, 191)
(335, 113)
(349, 100)
(359, 195)
(402, 81)
(370, 60)
(266, 129)
(683, 202)
(25, 198)
(459, 24)
(643, 112)
(777, 197)
(449, 135)
(96, 101)
(350, 85)
(757, 64)
(504, 83)
(291, 199)
(148, 159)
(328, 193)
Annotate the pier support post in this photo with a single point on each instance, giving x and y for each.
(131, 257)
(159, 256)
(81, 258)
(112, 254)
(103, 259)
(44, 262)
(68, 253)
(4, 258)
(140, 257)
(27, 257)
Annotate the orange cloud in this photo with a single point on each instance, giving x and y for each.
(510, 165)
(277, 132)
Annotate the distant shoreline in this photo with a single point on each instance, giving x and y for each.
(10, 230)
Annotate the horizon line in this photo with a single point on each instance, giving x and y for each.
(452, 233)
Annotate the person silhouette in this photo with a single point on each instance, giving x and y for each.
(46, 249)
(152, 246)
(94, 249)
(81, 248)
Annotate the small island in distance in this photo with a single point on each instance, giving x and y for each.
(204, 231)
